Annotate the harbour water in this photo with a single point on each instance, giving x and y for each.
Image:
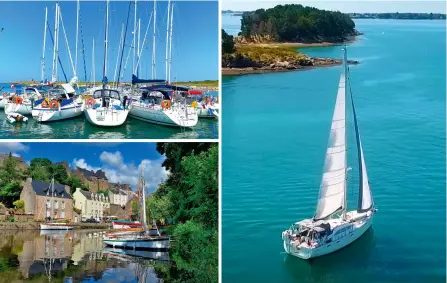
(74, 256)
(274, 141)
(79, 128)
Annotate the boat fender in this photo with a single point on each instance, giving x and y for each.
(194, 104)
(18, 100)
(90, 101)
(166, 104)
(54, 104)
(45, 103)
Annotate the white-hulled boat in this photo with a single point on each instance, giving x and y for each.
(158, 255)
(140, 240)
(105, 108)
(333, 226)
(206, 107)
(125, 224)
(59, 104)
(155, 106)
(23, 104)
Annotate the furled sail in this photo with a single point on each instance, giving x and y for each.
(365, 199)
(333, 183)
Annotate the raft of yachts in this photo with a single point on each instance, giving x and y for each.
(155, 102)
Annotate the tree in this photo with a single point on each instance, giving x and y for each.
(10, 180)
(159, 208)
(227, 43)
(39, 173)
(105, 192)
(60, 174)
(19, 204)
(74, 182)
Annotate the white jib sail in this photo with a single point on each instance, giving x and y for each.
(332, 188)
(366, 198)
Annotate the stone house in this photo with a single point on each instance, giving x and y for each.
(43, 201)
(91, 205)
(118, 197)
(93, 180)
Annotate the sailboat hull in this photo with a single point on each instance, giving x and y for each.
(106, 117)
(170, 117)
(49, 115)
(359, 227)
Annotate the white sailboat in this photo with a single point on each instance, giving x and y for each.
(143, 240)
(333, 226)
(105, 108)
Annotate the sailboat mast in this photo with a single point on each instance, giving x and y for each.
(153, 41)
(170, 43)
(54, 75)
(139, 51)
(345, 66)
(118, 56)
(167, 39)
(77, 32)
(44, 41)
(105, 43)
(134, 36)
(143, 187)
(93, 61)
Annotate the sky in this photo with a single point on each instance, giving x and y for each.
(194, 45)
(122, 162)
(350, 6)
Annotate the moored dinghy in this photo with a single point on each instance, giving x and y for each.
(333, 226)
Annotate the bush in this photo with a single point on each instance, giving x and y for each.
(19, 204)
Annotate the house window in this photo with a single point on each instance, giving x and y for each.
(56, 204)
(48, 203)
(63, 214)
(63, 204)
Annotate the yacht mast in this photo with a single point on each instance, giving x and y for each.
(93, 61)
(167, 39)
(138, 50)
(153, 42)
(345, 67)
(170, 43)
(55, 49)
(105, 45)
(44, 41)
(118, 55)
(77, 32)
(134, 36)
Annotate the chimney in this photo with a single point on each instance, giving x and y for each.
(67, 189)
(29, 180)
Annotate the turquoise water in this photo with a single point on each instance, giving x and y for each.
(276, 129)
(79, 128)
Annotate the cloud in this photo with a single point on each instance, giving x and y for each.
(13, 147)
(82, 164)
(117, 171)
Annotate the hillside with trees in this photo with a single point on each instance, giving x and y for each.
(296, 23)
(399, 16)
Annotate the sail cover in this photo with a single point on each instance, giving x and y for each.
(365, 198)
(332, 188)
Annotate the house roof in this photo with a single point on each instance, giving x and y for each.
(98, 174)
(43, 189)
(87, 194)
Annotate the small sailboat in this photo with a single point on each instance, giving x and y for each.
(23, 103)
(106, 108)
(333, 226)
(140, 240)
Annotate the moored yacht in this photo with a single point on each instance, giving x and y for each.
(59, 104)
(105, 108)
(23, 103)
(333, 225)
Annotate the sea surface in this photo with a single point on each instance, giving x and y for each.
(80, 128)
(76, 256)
(276, 128)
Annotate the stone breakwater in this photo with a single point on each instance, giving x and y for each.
(284, 66)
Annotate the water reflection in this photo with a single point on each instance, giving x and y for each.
(73, 256)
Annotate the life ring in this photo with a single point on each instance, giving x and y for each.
(45, 103)
(90, 101)
(18, 100)
(194, 104)
(54, 104)
(166, 104)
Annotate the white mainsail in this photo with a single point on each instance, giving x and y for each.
(333, 183)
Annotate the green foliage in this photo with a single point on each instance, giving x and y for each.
(296, 23)
(135, 207)
(39, 173)
(19, 204)
(197, 255)
(10, 180)
(159, 208)
(60, 174)
(74, 182)
(399, 16)
(227, 43)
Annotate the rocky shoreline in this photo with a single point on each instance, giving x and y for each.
(284, 66)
